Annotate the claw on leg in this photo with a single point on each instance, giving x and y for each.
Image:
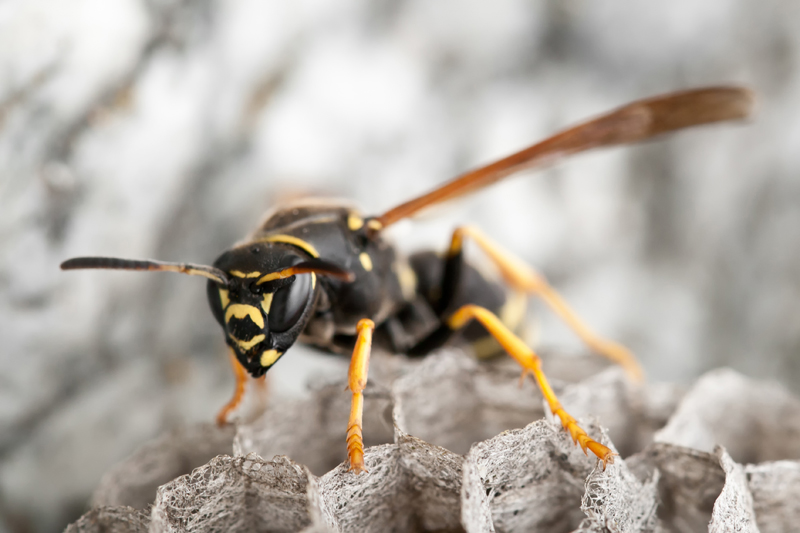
(355, 438)
(580, 437)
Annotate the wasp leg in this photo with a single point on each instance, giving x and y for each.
(238, 393)
(262, 387)
(531, 364)
(357, 380)
(522, 277)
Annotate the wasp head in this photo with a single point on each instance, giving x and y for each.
(268, 299)
(262, 293)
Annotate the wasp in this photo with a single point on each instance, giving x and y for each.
(321, 273)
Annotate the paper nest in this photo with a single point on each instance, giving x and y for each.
(725, 456)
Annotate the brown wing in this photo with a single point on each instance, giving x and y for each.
(634, 122)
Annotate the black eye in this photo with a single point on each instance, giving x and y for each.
(288, 304)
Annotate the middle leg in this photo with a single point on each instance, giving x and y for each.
(531, 364)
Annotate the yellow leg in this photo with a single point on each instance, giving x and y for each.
(357, 380)
(241, 379)
(522, 277)
(531, 364)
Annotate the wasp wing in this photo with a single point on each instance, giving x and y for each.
(634, 122)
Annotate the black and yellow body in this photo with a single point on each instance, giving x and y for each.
(321, 273)
(407, 299)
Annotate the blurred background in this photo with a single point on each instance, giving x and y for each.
(165, 129)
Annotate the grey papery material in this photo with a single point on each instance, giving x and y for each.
(527, 479)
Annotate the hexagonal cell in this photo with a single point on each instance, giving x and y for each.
(630, 412)
(527, 479)
(755, 421)
(689, 482)
(452, 402)
(313, 431)
(134, 481)
(534, 479)
(236, 494)
(482, 400)
(733, 510)
(411, 486)
(111, 520)
(776, 495)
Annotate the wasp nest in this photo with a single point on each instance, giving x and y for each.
(723, 456)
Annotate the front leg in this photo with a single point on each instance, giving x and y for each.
(240, 374)
(357, 380)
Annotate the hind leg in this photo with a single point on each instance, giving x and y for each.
(520, 276)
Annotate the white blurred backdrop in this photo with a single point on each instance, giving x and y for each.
(164, 129)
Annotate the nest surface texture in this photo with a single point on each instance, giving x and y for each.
(451, 447)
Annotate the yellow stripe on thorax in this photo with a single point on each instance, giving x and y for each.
(366, 261)
(354, 221)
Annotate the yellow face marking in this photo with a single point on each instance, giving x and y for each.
(246, 345)
(223, 298)
(240, 274)
(241, 311)
(366, 261)
(266, 302)
(374, 225)
(269, 357)
(294, 241)
(313, 281)
(354, 222)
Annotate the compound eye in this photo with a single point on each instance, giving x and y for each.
(288, 304)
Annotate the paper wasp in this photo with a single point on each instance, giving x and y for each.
(323, 274)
